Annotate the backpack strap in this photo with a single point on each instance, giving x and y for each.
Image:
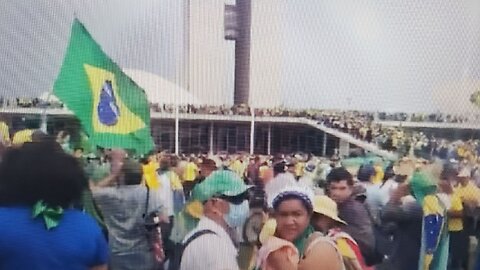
(348, 262)
(178, 261)
(195, 236)
(147, 199)
(337, 235)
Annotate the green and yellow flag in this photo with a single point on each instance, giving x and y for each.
(112, 108)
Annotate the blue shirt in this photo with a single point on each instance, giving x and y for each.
(25, 243)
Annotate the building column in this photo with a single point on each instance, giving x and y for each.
(324, 149)
(210, 141)
(343, 148)
(43, 123)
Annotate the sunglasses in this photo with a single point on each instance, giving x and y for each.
(238, 199)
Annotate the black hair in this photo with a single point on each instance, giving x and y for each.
(52, 176)
(365, 172)
(132, 172)
(40, 136)
(279, 167)
(144, 160)
(400, 178)
(389, 173)
(174, 161)
(164, 164)
(340, 174)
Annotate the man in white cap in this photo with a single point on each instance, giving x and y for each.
(225, 207)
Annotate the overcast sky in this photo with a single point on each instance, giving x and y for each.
(143, 34)
(407, 55)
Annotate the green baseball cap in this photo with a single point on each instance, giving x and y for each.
(223, 182)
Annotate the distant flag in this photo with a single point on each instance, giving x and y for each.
(112, 109)
(4, 133)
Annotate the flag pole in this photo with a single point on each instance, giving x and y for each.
(176, 130)
(252, 131)
(43, 123)
(269, 141)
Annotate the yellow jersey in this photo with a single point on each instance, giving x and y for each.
(470, 192)
(379, 174)
(150, 174)
(455, 224)
(190, 172)
(299, 167)
(238, 168)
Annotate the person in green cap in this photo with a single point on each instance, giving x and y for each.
(225, 207)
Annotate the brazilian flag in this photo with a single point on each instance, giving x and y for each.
(112, 109)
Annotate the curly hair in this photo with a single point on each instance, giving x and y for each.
(40, 171)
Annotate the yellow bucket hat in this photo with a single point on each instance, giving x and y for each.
(324, 205)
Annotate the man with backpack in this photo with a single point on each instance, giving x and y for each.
(211, 245)
(125, 201)
(340, 189)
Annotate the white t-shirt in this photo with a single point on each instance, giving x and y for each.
(388, 187)
(210, 251)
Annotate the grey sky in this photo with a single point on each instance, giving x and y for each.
(389, 54)
(136, 34)
(380, 55)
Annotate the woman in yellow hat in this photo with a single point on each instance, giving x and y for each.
(325, 219)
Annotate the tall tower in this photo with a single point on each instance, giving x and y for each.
(242, 52)
(229, 60)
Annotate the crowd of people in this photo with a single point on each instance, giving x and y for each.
(360, 125)
(316, 114)
(112, 209)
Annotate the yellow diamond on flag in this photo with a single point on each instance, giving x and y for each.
(112, 109)
(119, 119)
